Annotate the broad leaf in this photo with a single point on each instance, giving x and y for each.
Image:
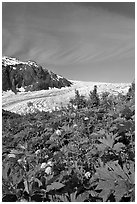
(118, 146)
(108, 140)
(117, 169)
(81, 197)
(107, 186)
(55, 186)
(120, 190)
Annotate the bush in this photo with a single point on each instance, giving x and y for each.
(79, 101)
(94, 98)
(82, 155)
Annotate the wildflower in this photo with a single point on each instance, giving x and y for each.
(19, 161)
(48, 170)
(73, 115)
(75, 107)
(11, 155)
(23, 200)
(43, 165)
(49, 163)
(86, 118)
(46, 156)
(21, 146)
(87, 175)
(37, 152)
(75, 125)
(58, 132)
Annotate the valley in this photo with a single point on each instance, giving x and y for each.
(48, 100)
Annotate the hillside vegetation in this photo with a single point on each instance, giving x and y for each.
(84, 152)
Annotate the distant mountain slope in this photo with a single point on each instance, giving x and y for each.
(29, 76)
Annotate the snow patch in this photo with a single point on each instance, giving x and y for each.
(11, 61)
(59, 77)
(32, 63)
(14, 61)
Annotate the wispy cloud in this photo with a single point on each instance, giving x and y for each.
(68, 35)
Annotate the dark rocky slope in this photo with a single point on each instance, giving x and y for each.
(28, 75)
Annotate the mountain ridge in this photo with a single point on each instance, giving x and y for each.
(29, 75)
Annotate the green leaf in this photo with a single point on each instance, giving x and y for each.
(105, 194)
(95, 136)
(107, 186)
(82, 197)
(104, 174)
(101, 147)
(108, 140)
(26, 186)
(55, 186)
(5, 171)
(129, 169)
(38, 181)
(117, 169)
(120, 190)
(118, 146)
(63, 198)
(14, 151)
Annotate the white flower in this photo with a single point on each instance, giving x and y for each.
(48, 170)
(87, 174)
(46, 156)
(37, 152)
(75, 125)
(58, 132)
(74, 106)
(23, 200)
(43, 165)
(11, 155)
(73, 114)
(19, 161)
(86, 118)
(49, 163)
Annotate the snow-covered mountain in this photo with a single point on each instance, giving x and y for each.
(28, 76)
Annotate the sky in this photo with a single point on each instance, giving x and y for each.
(80, 41)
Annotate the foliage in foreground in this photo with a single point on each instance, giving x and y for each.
(82, 153)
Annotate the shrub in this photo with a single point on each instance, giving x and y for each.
(86, 155)
(79, 101)
(94, 98)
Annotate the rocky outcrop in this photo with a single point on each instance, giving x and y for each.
(28, 75)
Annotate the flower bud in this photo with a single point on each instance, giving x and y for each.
(58, 132)
(87, 174)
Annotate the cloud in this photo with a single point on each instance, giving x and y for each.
(67, 34)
